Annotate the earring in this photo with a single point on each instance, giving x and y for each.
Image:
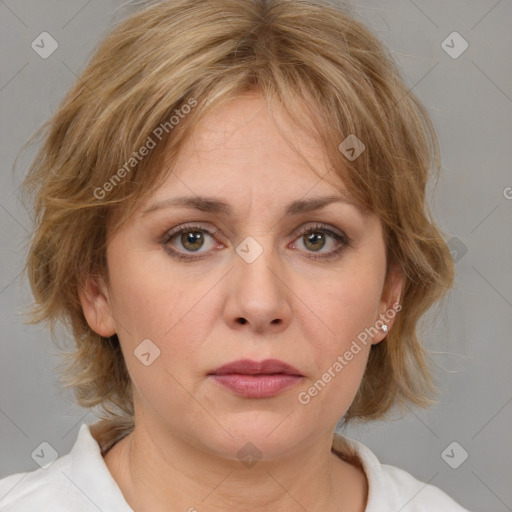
(384, 328)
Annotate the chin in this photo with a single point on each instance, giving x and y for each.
(256, 434)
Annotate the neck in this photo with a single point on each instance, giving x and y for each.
(155, 468)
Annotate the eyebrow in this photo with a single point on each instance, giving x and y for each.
(218, 206)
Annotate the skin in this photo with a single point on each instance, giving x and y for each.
(301, 310)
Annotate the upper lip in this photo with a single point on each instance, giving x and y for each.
(250, 367)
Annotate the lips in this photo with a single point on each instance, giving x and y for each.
(249, 367)
(253, 379)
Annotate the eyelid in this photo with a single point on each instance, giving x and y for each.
(320, 226)
(344, 241)
(183, 228)
(188, 226)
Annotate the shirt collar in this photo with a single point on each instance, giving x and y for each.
(90, 474)
(345, 448)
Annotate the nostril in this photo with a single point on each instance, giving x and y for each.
(243, 321)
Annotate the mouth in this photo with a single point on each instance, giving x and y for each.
(253, 379)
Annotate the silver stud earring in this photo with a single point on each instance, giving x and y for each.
(384, 328)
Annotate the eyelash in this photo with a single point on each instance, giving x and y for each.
(342, 239)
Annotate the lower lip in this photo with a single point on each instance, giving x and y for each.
(257, 386)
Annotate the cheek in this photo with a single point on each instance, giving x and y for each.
(148, 297)
(152, 302)
(340, 360)
(344, 306)
(138, 302)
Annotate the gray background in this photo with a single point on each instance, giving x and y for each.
(470, 101)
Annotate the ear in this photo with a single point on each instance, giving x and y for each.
(96, 306)
(390, 302)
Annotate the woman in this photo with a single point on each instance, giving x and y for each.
(231, 216)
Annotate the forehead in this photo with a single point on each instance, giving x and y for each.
(248, 148)
(246, 122)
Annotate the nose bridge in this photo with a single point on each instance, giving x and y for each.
(258, 294)
(255, 261)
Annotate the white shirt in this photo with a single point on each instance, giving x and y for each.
(81, 482)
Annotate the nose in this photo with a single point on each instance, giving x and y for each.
(258, 297)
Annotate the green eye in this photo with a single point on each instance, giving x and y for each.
(314, 241)
(181, 242)
(192, 240)
(317, 237)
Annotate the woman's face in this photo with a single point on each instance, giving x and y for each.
(264, 275)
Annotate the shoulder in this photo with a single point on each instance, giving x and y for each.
(79, 481)
(414, 495)
(28, 491)
(392, 488)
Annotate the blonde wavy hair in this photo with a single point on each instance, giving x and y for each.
(331, 76)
